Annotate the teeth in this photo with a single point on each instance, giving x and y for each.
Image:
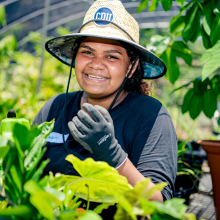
(96, 77)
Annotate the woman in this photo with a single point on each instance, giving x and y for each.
(136, 134)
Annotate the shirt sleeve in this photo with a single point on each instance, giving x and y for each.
(154, 151)
(44, 112)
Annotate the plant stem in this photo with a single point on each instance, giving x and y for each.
(88, 202)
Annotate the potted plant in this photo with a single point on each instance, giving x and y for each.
(212, 148)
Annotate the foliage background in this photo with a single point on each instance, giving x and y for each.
(19, 71)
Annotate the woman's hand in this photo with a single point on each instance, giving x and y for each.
(96, 134)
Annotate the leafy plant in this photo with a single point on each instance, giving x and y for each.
(195, 18)
(25, 195)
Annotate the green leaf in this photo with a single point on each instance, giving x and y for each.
(208, 17)
(205, 39)
(67, 214)
(43, 201)
(4, 148)
(40, 170)
(195, 106)
(187, 100)
(33, 173)
(199, 86)
(215, 30)
(102, 181)
(153, 6)
(100, 208)
(180, 2)
(90, 215)
(22, 211)
(167, 4)
(156, 188)
(130, 198)
(177, 24)
(38, 142)
(24, 137)
(183, 51)
(170, 209)
(211, 56)
(124, 209)
(190, 216)
(2, 15)
(169, 58)
(142, 6)
(192, 20)
(147, 206)
(219, 121)
(209, 103)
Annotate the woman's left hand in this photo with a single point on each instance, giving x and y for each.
(96, 134)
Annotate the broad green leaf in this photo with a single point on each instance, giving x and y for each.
(209, 103)
(219, 121)
(31, 173)
(187, 100)
(16, 177)
(190, 216)
(100, 208)
(177, 24)
(195, 106)
(156, 188)
(170, 61)
(170, 209)
(147, 206)
(24, 137)
(142, 6)
(3, 205)
(40, 170)
(212, 52)
(208, 17)
(67, 214)
(182, 50)
(69, 194)
(90, 215)
(211, 57)
(124, 209)
(153, 6)
(4, 148)
(215, 30)
(167, 4)
(98, 179)
(192, 20)
(205, 39)
(38, 142)
(22, 211)
(180, 2)
(43, 201)
(184, 8)
(199, 86)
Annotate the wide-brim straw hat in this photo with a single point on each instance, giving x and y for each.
(108, 19)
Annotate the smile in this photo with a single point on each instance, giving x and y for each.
(95, 77)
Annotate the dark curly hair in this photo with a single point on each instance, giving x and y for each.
(135, 83)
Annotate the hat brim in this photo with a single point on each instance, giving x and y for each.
(62, 48)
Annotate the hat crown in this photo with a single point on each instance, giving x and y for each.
(113, 11)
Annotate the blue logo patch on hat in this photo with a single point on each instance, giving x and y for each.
(103, 14)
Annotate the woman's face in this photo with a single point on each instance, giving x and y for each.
(101, 66)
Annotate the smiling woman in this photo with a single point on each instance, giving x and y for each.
(111, 119)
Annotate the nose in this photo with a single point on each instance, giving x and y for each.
(97, 63)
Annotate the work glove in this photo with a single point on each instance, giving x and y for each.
(95, 132)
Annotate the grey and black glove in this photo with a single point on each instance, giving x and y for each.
(96, 134)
